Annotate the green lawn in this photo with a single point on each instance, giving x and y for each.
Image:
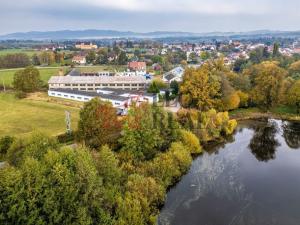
(244, 111)
(6, 76)
(284, 110)
(22, 117)
(29, 52)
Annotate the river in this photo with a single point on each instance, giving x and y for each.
(252, 179)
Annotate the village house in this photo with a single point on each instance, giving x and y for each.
(78, 59)
(137, 66)
(175, 74)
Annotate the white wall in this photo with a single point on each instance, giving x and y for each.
(82, 98)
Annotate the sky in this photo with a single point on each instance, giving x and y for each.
(149, 15)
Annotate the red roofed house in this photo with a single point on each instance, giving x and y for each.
(137, 66)
(78, 59)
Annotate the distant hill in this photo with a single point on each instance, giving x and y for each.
(101, 34)
(89, 34)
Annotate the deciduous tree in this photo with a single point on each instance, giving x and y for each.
(267, 84)
(98, 124)
(200, 89)
(293, 96)
(27, 80)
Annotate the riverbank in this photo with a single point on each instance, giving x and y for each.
(280, 113)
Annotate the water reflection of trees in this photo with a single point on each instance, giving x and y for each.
(263, 144)
(291, 134)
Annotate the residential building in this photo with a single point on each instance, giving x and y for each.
(137, 66)
(175, 74)
(78, 59)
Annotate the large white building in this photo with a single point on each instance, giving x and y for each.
(93, 83)
(120, 99)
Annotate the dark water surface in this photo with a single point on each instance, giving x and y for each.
(254, 179)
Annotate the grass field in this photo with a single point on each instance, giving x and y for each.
(22, 117)
(29, 52)
(6, 76)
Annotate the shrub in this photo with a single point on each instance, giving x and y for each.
(66, 137)
(208, 125)
(181, 156)
(5, 143)
(244, 98)
(232, 101)
(20, 94)
(190, 141)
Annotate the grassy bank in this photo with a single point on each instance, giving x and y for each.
(279, 112)
(36, 113)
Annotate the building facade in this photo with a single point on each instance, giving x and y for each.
(79, 59)
(84, 46)
(94, 83)
(120, 99)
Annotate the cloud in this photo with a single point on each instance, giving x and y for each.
(149, 15)
(192, 6)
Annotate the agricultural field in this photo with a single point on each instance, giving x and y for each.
(21, 117)
(7, 76)
(29, 52)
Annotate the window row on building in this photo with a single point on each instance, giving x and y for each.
(95, 87)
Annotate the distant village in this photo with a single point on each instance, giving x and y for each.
(122, 70)
(144, 62)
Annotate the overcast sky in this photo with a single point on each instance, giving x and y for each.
(149, 15)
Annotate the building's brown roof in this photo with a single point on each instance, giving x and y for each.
(136, 65)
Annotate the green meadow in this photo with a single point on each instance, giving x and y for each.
(29, 52)
(21, 117)
(7, 76)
